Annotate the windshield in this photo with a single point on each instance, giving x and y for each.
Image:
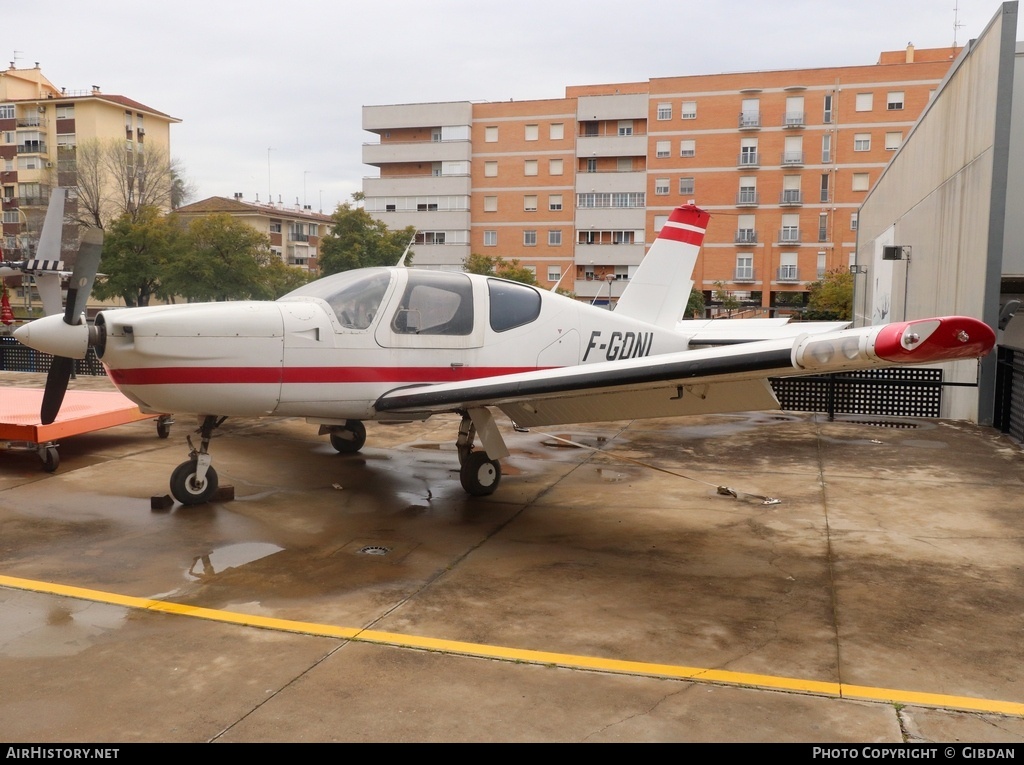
(354, 296)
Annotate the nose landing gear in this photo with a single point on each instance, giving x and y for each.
(194, 481)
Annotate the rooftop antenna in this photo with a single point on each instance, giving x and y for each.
(957, 25)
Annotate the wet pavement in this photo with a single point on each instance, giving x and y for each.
(591, 598)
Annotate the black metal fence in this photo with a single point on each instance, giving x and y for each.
(15, 357)
(900, 392)
(1009, 406)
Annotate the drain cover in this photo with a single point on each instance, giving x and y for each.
(374, 550)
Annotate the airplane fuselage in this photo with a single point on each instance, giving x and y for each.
(329, 352)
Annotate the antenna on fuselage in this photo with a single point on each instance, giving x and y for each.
(401, 260)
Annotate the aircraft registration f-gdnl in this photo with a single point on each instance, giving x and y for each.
(403, 344)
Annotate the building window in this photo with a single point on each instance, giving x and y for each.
(554, 273)
(490, 204)
(490, 169)
(824, 188)
(865, 102)
(664, 111)
(827, 116)
(663, 149)
(686, 185)
(65, 111)
(529, 238)
(748, 191)
(862, 141)
(555, 202)
(750, 113)
(555, 166)
(532, 132)
(861, 182)
(893, 140)
(490, 238)
(744, 268)
(853, 221)
(491, 134)
(591, 165)
(530, 167)
(661, 187)
(555, 238)
(530, 203)
(625, 127)
(557, 131)
(6, 111)
(687, 148)
(894, 101)
(788, 267)
(688, 111)
(826, 148)
(823, 227)
(748, 151)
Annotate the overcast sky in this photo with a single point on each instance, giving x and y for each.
(270, 93)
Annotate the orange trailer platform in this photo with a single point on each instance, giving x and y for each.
(82, 412)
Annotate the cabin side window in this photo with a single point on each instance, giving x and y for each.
(512, 304)
(435, 304)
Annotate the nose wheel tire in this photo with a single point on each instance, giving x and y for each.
(187, 490)
(479, 475)
(349, 439)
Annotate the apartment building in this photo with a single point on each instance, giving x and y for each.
(294, 232)
(577, 188)
(41, 127)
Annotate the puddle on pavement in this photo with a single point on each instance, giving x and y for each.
(230, 556)
(32, 627)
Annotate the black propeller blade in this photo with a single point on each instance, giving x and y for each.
(79, 289)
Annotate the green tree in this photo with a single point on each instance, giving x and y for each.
(136, 256)
(358, 240)
(277, 278)
(222, 259)
(695, 305)
(725, 298)
(487, 265)
(831, 297)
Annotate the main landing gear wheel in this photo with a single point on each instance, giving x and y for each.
(187, 490)
(350, 438)
(480, 475)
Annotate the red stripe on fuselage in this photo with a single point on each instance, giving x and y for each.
(303, 375)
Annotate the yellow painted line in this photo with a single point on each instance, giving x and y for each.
(572, 661)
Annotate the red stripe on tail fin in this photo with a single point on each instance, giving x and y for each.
(686, 224)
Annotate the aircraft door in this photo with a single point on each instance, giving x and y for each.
(434, 310)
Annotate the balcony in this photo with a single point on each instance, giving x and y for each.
(793, 120)
(746, 198)
(32, 147)
(750, 121)
(788, 274)
(790, 198)
(746, 236)
(748, 159)
(744, 275)
(789, 235)
(792, 158)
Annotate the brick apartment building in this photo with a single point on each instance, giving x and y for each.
(576, 188)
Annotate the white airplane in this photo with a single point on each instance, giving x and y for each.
(402, 344)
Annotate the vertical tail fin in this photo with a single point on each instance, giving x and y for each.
(658, 291)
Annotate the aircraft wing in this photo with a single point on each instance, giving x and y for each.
(722, 379)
